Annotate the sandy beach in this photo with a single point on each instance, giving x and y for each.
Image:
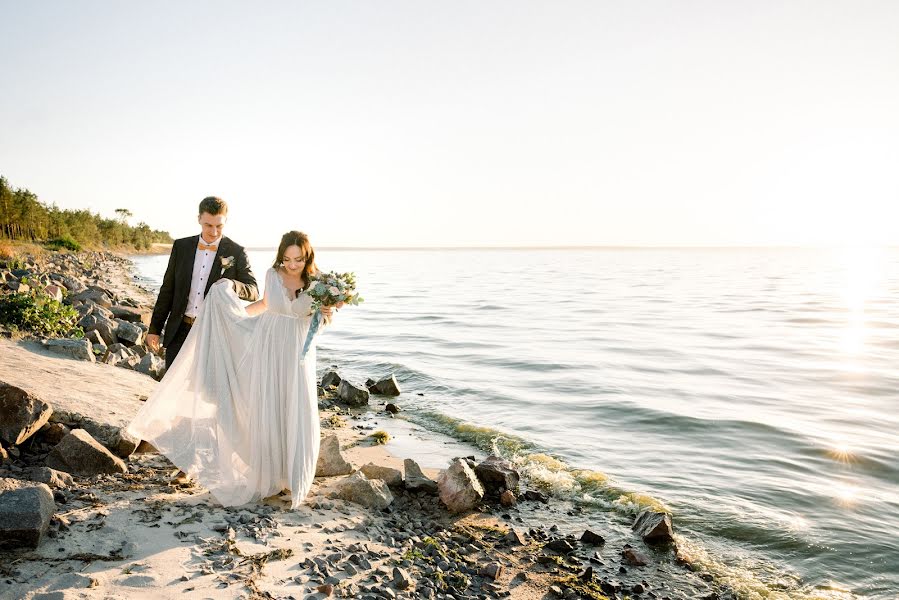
(138, 533)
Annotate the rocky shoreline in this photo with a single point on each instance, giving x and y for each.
(88, 512)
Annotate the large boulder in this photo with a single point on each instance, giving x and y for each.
(25, 512)
(80, 349)
(96, 294)
(386, 387)
(80, 454)
(459, 487)
(330, 461)
(654, 526)
(352, 395)
(358, 489)
(128, 333)
(21, 414)
(107, 328)
(392, 477)
(497, 476)
(416, 480)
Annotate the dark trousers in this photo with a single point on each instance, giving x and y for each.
(171, 351)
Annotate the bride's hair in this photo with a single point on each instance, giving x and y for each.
(298, 238)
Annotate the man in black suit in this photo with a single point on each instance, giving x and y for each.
(196, 263)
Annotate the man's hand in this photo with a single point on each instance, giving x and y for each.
(153, 342)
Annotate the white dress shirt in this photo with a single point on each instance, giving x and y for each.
(200, 277)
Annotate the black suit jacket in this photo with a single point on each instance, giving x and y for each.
(172, 300)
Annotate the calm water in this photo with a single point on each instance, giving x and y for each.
(752, 392)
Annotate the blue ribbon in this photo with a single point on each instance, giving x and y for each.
(313, 328)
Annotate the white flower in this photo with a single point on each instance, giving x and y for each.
(334, 291)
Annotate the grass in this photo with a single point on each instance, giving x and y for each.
(586, 589)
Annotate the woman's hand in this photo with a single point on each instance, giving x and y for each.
(327, 313)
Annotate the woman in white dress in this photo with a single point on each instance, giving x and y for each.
(238, 409)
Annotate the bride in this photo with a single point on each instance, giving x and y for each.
(238, 409)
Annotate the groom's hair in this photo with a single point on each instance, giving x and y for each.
(213, 206)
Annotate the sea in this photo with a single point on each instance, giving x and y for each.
(752, 392)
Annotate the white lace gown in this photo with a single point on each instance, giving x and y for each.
(238, 410)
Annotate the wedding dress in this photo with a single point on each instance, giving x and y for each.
(238, 409)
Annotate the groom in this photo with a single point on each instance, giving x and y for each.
(196, 263)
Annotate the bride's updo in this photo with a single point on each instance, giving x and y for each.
(298, 238)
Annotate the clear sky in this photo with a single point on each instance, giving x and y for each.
(465, 122)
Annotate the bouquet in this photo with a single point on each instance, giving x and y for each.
(329, 289)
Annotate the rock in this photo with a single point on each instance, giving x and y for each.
(634, 557)
(514, 538)
(330, 461)
(72, 285)
(54, 291)
(128, 333)
(386, 387)
(130, 362)
(331, 378)
(560, 545)
(21, 414)
(352, 395)
(497, 476)
(392, 477)
(96, 294)
(123, 444)
(654, 526)
(4, 455)
(94, 337)
(80, 349)
(358, 489)
(416, 480)
(401, 579)
(25, 512)
(145, 447)
(80, 454)
(459, 487)
(535, 496)
(594, 539)
(392, 408)
(53, 478)
(132, 315)
(492, 570)
(106, 328)
(18, 287)
(151, 365)
(507, 498)
(326, 589)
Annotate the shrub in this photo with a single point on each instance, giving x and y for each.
(64, 242)
(38, 314)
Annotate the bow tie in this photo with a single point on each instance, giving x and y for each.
(202, 246)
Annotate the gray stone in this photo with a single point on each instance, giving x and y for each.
(459, 487)
(106, 328)
(634, 557)
(654, 526)
(132, 315)
(21, 413)
(80, 349)
(25, 512)
(123, 444)
(392, 477)
(386, 387)
(151, 365)
(415, 479)
(330, 460)
(128, 333)
(401, 578)
(497, 476)
(94, 337)
(80, 454)
(358, 489)
(53, 478)
(331, 378)
(352, 395)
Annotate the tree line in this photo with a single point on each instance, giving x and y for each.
(25, 218)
